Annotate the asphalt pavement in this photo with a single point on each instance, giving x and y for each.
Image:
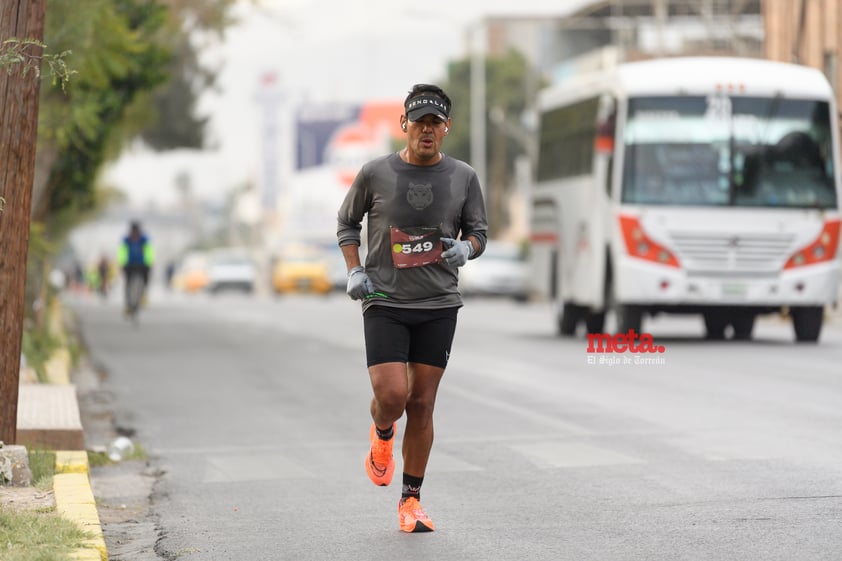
(254, 413)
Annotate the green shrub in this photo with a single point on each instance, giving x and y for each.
(38, 346)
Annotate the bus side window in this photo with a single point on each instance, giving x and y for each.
(566, 144)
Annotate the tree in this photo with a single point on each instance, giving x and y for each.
(190, 26)
(511, 87)
(119, 60)
(125, 52)
(19, 103)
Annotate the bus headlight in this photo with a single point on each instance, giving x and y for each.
(821, 250)
(639, 245)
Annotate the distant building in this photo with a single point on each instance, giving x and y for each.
(611, 31)
(806, 32)
(605, 32)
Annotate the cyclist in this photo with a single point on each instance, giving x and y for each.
(136, 257)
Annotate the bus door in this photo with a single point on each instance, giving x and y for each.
(544, 253)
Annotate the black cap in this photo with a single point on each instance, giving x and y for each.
(426, 104)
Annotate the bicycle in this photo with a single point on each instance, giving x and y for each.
(134, 293)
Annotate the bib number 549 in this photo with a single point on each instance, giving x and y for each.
(409, 248)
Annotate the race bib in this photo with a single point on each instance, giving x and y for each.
(416, 247)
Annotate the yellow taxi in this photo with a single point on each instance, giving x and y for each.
(192, 274)
(301, 269)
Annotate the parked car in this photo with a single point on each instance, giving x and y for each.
(302, 269)
(501, 270)
(337, 270)
(231, 270)
(191, 274)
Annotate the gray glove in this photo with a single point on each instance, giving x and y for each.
(458, 253)
(359, 285)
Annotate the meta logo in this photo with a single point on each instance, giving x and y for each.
(631, 342)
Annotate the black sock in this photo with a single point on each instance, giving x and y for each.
(411, 487)
(385, 434)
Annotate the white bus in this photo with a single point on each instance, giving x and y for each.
(688, 185)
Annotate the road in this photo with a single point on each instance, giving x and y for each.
(254, 412)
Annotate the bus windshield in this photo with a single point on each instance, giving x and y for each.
(723, 150)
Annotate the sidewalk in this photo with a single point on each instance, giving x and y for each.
(48, 417)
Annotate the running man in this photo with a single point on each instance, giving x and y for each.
(425, 219)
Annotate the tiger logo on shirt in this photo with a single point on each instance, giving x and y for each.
(420, 196)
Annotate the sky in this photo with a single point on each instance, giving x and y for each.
(327, 50)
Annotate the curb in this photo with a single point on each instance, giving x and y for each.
(75, 502)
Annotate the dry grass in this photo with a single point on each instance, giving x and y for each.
(30, 529)
(27, 535)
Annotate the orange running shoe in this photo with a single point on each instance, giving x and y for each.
(379, 463)
(412, 517)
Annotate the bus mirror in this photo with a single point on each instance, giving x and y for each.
(605, 125)
(604, 142)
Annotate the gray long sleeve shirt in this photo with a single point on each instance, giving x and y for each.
(392, 194)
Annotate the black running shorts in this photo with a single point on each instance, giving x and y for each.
(408, 335)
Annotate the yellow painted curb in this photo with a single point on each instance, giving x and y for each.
(71, 461)
(75, 501)
(57, 367)
(73, 489)
(86, 555)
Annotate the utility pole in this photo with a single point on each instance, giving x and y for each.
(478, 110)
(19, 19)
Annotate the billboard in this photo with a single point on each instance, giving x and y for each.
(327, 133)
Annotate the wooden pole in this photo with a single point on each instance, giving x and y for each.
(19, 19)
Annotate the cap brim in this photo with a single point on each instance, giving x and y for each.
(416, 114)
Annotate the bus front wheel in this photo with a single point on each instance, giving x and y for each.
(715, 324)
(743, 324)
(807, 322)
